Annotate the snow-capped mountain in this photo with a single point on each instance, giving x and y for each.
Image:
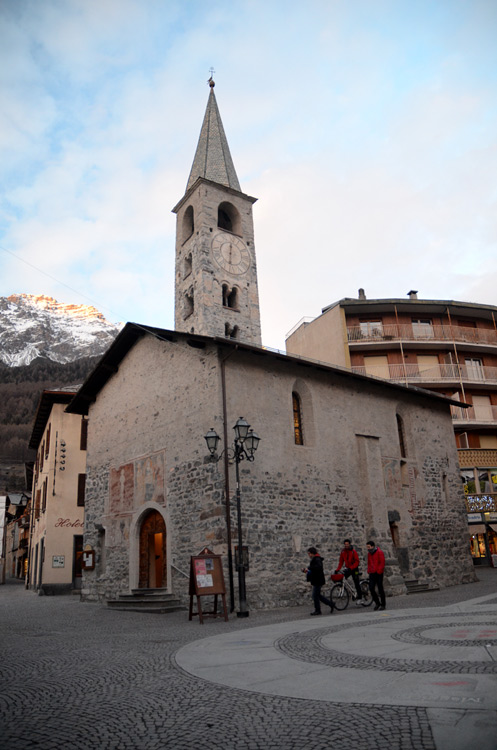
(38, 326)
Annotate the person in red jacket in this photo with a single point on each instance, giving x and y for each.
(350, 560)
(376, 566)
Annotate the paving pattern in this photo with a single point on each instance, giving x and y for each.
(309, 647)
(79, 676)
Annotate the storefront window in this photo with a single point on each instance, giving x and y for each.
(468, 481)
(492, 540)
(477, 543)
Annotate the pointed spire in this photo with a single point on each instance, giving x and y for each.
(212, 158)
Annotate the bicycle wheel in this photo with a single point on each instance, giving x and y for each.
(366, 594)
(339, 596)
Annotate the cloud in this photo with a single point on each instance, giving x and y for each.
(366, 131)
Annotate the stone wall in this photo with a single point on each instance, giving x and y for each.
(347, 480)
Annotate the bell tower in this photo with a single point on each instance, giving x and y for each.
(216, 290)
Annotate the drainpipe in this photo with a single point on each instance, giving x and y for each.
(401, 347)
(456, 356)
(227, 475)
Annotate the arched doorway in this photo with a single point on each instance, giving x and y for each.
(153, 558)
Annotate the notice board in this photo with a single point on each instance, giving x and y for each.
(206, 579)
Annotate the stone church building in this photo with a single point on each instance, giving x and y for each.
(341, 455)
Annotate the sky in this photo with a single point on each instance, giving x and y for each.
(366, 129)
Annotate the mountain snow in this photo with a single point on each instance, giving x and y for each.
(38, 326)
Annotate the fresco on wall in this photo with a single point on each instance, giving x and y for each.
(149, 480)
(121, 488)
(392, 477)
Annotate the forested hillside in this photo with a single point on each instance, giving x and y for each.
(20, 389)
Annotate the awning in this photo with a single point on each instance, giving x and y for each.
(477, 528)
(493, 526)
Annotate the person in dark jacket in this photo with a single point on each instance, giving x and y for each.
(376, 566)
(315, 576)
(350, 560)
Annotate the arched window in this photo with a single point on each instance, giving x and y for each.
(230, 332)
(230, 297)
(228, 218)
(297, 419)
(401, 433)
(188, 223)
(224, 220)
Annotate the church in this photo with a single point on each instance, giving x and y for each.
(341, 455)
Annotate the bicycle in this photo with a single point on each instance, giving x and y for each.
(343, 590)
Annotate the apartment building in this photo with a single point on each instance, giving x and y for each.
(444, 346)
(57, 517)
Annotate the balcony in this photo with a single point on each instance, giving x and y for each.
(480, 414)
(411, 373)
(481, 503)
(377, 332)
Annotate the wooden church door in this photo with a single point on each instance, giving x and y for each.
(153, 559)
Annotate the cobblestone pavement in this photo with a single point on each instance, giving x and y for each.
(77, 675)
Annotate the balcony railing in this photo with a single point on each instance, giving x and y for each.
(419, 332)
(481, 503)
(441, 373)
(475, 413)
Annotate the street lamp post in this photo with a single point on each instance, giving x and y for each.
(244, 446)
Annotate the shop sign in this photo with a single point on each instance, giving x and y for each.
(474, 518)
(490, 517)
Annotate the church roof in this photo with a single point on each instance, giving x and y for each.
(212, 158)
(133, 332)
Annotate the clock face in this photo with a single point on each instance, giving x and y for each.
(230, 252)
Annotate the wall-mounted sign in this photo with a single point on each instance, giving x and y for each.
(88, 559)
(66, 523)
(474, 517)
(58, 561)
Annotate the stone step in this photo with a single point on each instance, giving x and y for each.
(416, 587)
(151, 610)
(147, 592)
(157, 601)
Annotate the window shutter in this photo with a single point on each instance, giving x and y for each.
(81, 489)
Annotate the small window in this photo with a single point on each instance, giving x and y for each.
(37, 503)
(231, 332)
(187, 267)
(297, 419)
(188, 304)
(83, 442)
(47, 444)
(81, 490)
(44, 497)
(400, 430)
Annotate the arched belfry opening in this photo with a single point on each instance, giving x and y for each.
(230, 297)
(231, 332)
(228, 218)
(153, 552)
(188, 223)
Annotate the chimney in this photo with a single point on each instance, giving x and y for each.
(412, 294)
(362, 294)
